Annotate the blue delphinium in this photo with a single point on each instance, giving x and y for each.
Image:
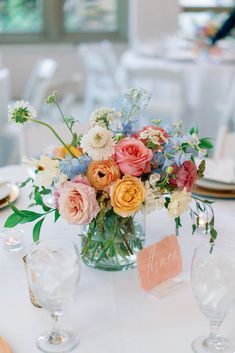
(74, 166)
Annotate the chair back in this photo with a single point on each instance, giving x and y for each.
(101, 83)
(225, 142)
(4, 95)
(39, 82)
(161, 82)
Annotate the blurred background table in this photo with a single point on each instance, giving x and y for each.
(112, 312)
(196, 87)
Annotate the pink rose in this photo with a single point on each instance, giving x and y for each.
(77, 202)
(186, 175)
(132, 157)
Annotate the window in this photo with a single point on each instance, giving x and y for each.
(62, 20)
(20, 16)
(197, 13)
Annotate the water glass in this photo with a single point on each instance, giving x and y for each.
(53, 271)
(213, 285)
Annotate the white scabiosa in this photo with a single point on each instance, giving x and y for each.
(179, 203)
(102, 117)
(21, 112)
(98, 143)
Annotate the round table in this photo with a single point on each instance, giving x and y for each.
(206, 82)
(112, 313)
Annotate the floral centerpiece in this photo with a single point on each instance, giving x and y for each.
(106, 179)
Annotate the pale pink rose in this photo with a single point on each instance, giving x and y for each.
(186, 175)
(81, 179)
(132, 157)
(77, 203)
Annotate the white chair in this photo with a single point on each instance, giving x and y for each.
(167, 87)
(102, 86)
(225, 142)
(39, 82)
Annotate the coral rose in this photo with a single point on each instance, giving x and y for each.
(127, 195)
(132, 157)
(186, 175)
(77, 202)
(102, 174)
(62, 152)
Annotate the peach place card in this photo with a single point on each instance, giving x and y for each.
(159, 263)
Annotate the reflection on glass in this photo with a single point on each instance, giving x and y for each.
(21, 16)
(90, 15)
(206, 3)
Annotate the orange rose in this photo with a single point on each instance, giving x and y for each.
(127, 195)
(102, 174)
(61, 152)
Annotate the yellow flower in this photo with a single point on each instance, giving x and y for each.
(127, 195)
(61, 152)
(102, 174)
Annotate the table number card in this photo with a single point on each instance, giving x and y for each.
(159, 263)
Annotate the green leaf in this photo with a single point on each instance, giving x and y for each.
(206, 143)
(57, 215)
(30, 215)
(39, 201)
(24, 183)
(45, 191)
(37, 229)
(194, 130)
(12, 220)
(194, 227)
(15, 210)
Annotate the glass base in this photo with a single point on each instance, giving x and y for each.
(63, 342)
(112, 265)
(202, 345)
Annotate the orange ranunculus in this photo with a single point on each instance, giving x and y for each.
(62, 152)
(127, 195)
(102, 174)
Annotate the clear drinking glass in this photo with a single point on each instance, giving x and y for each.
(213, 285)
(53, 269)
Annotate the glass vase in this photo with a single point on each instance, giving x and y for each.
(112, 243)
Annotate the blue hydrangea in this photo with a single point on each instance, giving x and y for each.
(74, 166)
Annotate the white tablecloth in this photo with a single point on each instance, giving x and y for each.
(112, 313)
(207, 84)
(4, 94)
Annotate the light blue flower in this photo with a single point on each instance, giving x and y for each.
(74, 166)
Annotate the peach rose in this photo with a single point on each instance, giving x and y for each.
(132, 157)
(127, 195)
(102, 174)
(77, 202)
(61, 152)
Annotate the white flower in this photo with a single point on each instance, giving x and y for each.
(153, 199)
(103, 117)
(98, 143)
(47, 170)
(21, 112)
(154, 178)
(179, 203)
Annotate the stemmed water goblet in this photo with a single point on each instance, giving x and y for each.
(53, 271)
(213, 285)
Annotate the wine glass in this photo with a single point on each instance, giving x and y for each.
(213, 285)
(53, 268)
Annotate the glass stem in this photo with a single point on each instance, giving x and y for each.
(56, 336)
(214, 338)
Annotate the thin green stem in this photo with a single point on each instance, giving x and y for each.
(63, 117)
(55, 133)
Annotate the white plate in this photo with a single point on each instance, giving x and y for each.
(215, 185)
(5, 189)
(13, 194)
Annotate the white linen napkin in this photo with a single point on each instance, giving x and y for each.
(220, 170)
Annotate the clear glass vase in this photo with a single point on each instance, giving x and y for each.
(111, 243)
